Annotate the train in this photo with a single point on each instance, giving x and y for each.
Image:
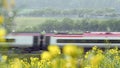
(38, 41)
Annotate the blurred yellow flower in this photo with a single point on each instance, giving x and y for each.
(1, 19)
(86, 55)
(70, 50)
(54, 63)
(113, 51)
(46, 55)
(34, 59)
(99, 51)
(71, 63)
(25, 64)
(2, 32)
(16, 63)
(4, 58)
(2, 39)
(117, 57)
(94, 48)
(87, 67)
(95, 60)
(54, 50)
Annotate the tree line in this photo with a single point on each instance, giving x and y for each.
(76, 25)
(49, 12)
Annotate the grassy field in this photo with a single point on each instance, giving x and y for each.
(24, 22)
(30, 20)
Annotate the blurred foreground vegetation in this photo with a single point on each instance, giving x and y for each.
(71, 56)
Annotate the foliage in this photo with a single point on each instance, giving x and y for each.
(66, 24)
(71, 56)
(77, 25)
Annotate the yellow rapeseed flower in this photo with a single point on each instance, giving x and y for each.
(95, 60)
(2, 32)
(94, 48)
(25, 64)
(70, 50)
(2, 39)
(54, 50)
(71, 63)
(34, 59)
(1, 19)
(87, 67)
(113, 51)
(4, 58)
(46, 55)
(99, 51)
(117, 58)
(16, 63)
(86, 55)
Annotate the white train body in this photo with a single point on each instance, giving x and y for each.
(100, 39)
(36, 40)
(22, 40)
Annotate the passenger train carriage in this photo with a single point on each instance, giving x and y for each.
(40, 41)
(89, 39)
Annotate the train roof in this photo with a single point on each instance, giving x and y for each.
(85, 34)
(24, 34)
(88, 34)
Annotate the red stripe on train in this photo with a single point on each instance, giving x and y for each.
(86, 35)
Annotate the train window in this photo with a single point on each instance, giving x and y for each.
(10, 40)
(86, 41)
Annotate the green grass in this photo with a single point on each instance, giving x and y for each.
(23, 22)
(32, 21)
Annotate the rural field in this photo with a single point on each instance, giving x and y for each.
(24, 22)
(31, 22)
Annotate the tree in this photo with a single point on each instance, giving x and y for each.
(67, 24)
